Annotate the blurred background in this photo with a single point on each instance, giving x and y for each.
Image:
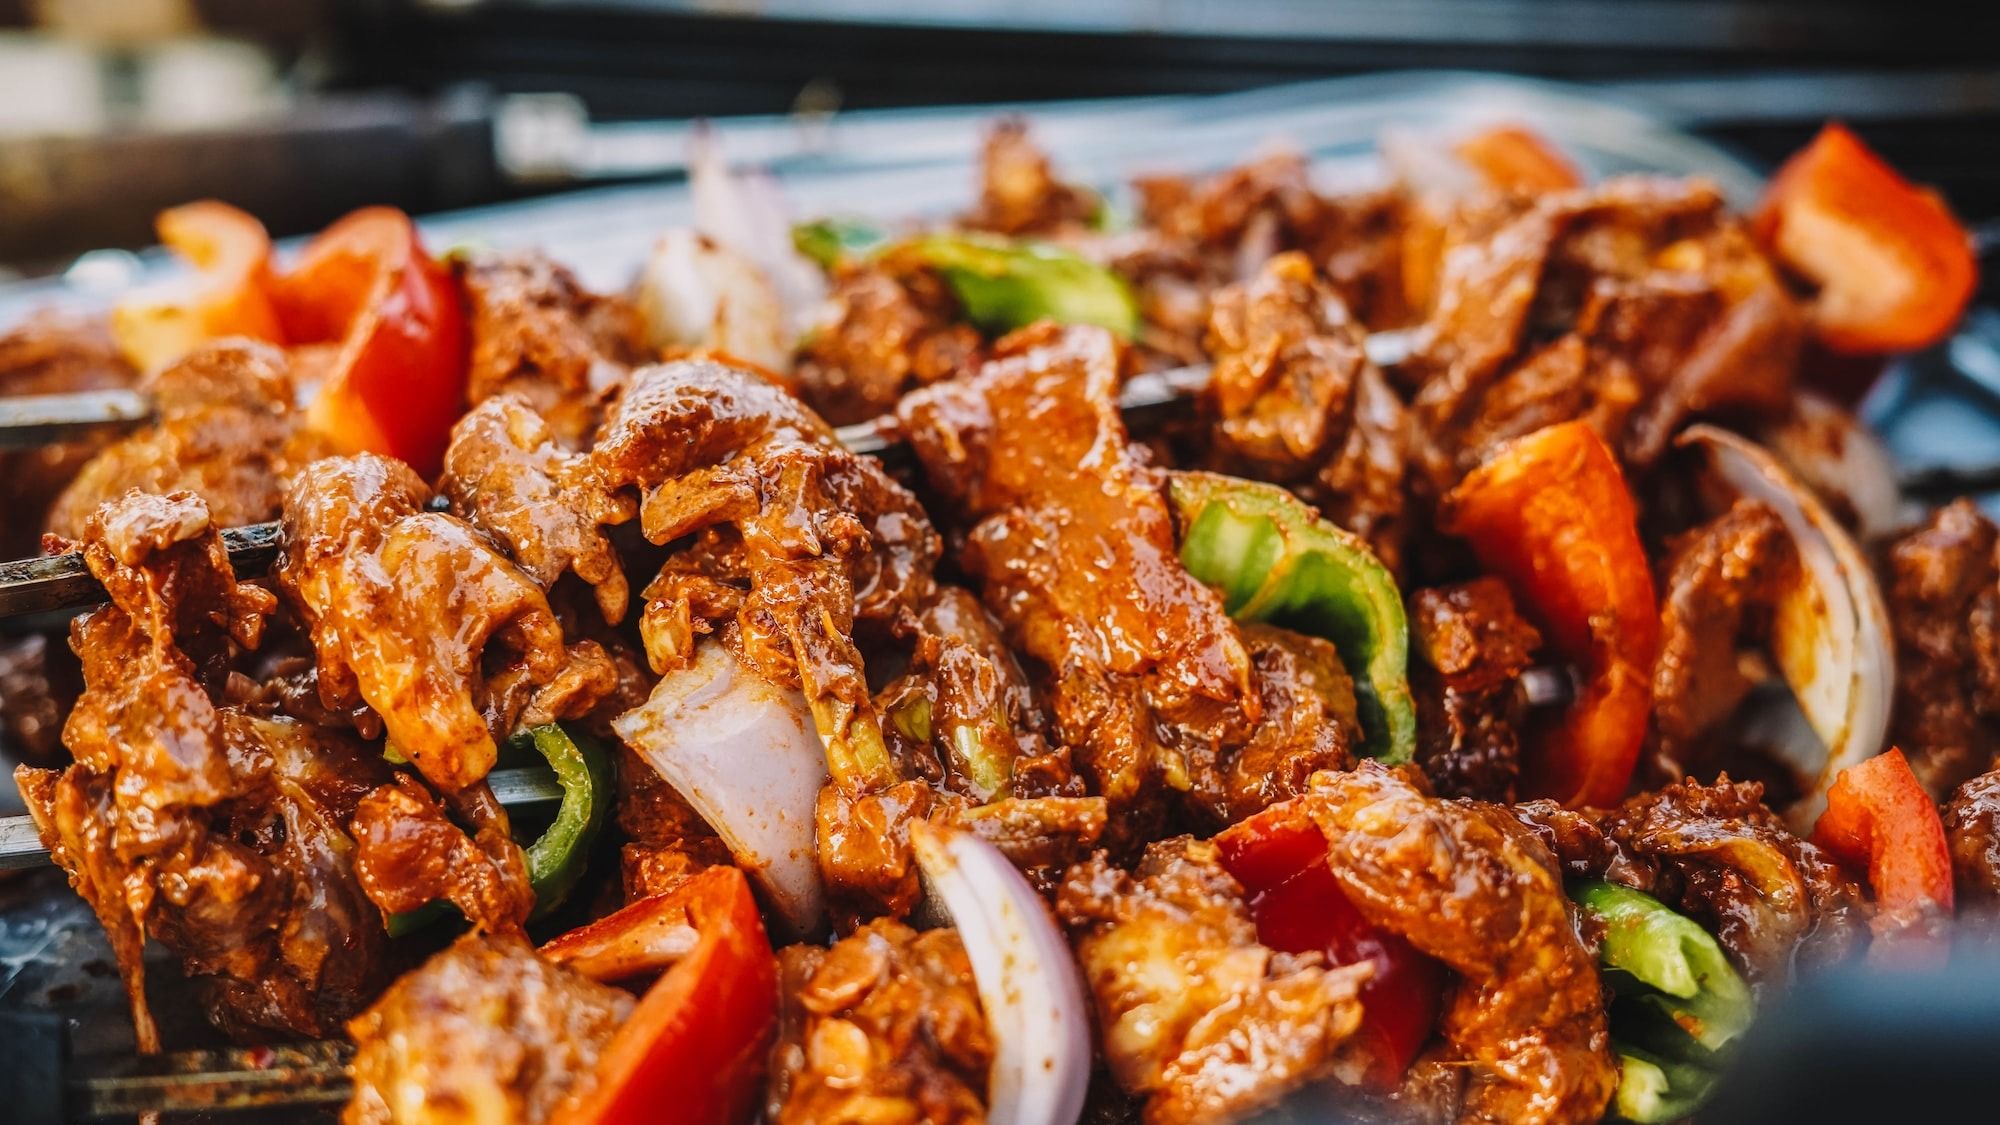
(301, 110)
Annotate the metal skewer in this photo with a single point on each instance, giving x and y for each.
(55, 582)
(21, 846)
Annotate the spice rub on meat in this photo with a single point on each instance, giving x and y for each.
(505, 473)
(1633, 304)
(216, 831)
(1150, 684)
(1942, 581)
(228, 431)
(1194, 1013)
(416, 614)
(1298, 403)
(539, 334)
(1467, 884)
(1470, 646)
(484, 1033)
(887, 331)
(796, 543)
(884, 1026)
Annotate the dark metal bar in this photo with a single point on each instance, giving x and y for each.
(21, 846)
(296, 1074)
(28, 421)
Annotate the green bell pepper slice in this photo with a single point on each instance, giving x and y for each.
(1668, 962)
(829, 242)
(556, 859)
(1653, 1088)
(1680, 1001)
(1005, 283)
(1275, 560)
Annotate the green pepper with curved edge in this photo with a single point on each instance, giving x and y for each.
(1275, 560)
(1006, 283)
(1680, 1001)
(829, 242)
(1653, 1088)
(556, 859)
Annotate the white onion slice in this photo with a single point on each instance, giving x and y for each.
(746, 211)
(1027, 979)
(1831, 450)
(695, 292)
(746, 756)
(1830, 633)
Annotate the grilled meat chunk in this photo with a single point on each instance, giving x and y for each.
(1943, 585)
(1194, 1013)
(1149, 682)
(1471, 646)
(1298, 403)
(1467, 884)
(219, 833)
(884, 1026)
(886, 333)
(537, 333)
(51, 353)
(484, 1033)
(416, 614)
(228, 431)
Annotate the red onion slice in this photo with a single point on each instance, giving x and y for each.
(746, 756)
(1830, 632)
(1027, 978)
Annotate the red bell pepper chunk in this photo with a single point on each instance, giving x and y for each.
(231, 295)
(1516, 158)
(1551, 515)
(1280, 858)
(1894, 267)
(1879, 817)
(398, 378)
(693, 1050)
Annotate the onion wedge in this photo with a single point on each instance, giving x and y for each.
(1830, 633)
(1830, 449)
(746, 756)
(696, 292)
(1027, 978)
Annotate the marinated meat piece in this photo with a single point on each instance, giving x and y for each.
(416, 614)
(1716, 853)
(886, 333)
(1193, 1013)
(50, 353)
(1471, 646)
(1018, 194)
(1298, 403)
(963, 715)
(409, 854)
(1943, 586)
(484, 1033)
(1634, 304)
(505, 474)
(1245, 215)
(1310, 724)
(537, 333)
(667, 840)
(884, 1026)
(1469, 885)
(1723, 581)
(228, 432)
(1972, 826)
(797, 542)
(218, 833)
(1148, 680)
